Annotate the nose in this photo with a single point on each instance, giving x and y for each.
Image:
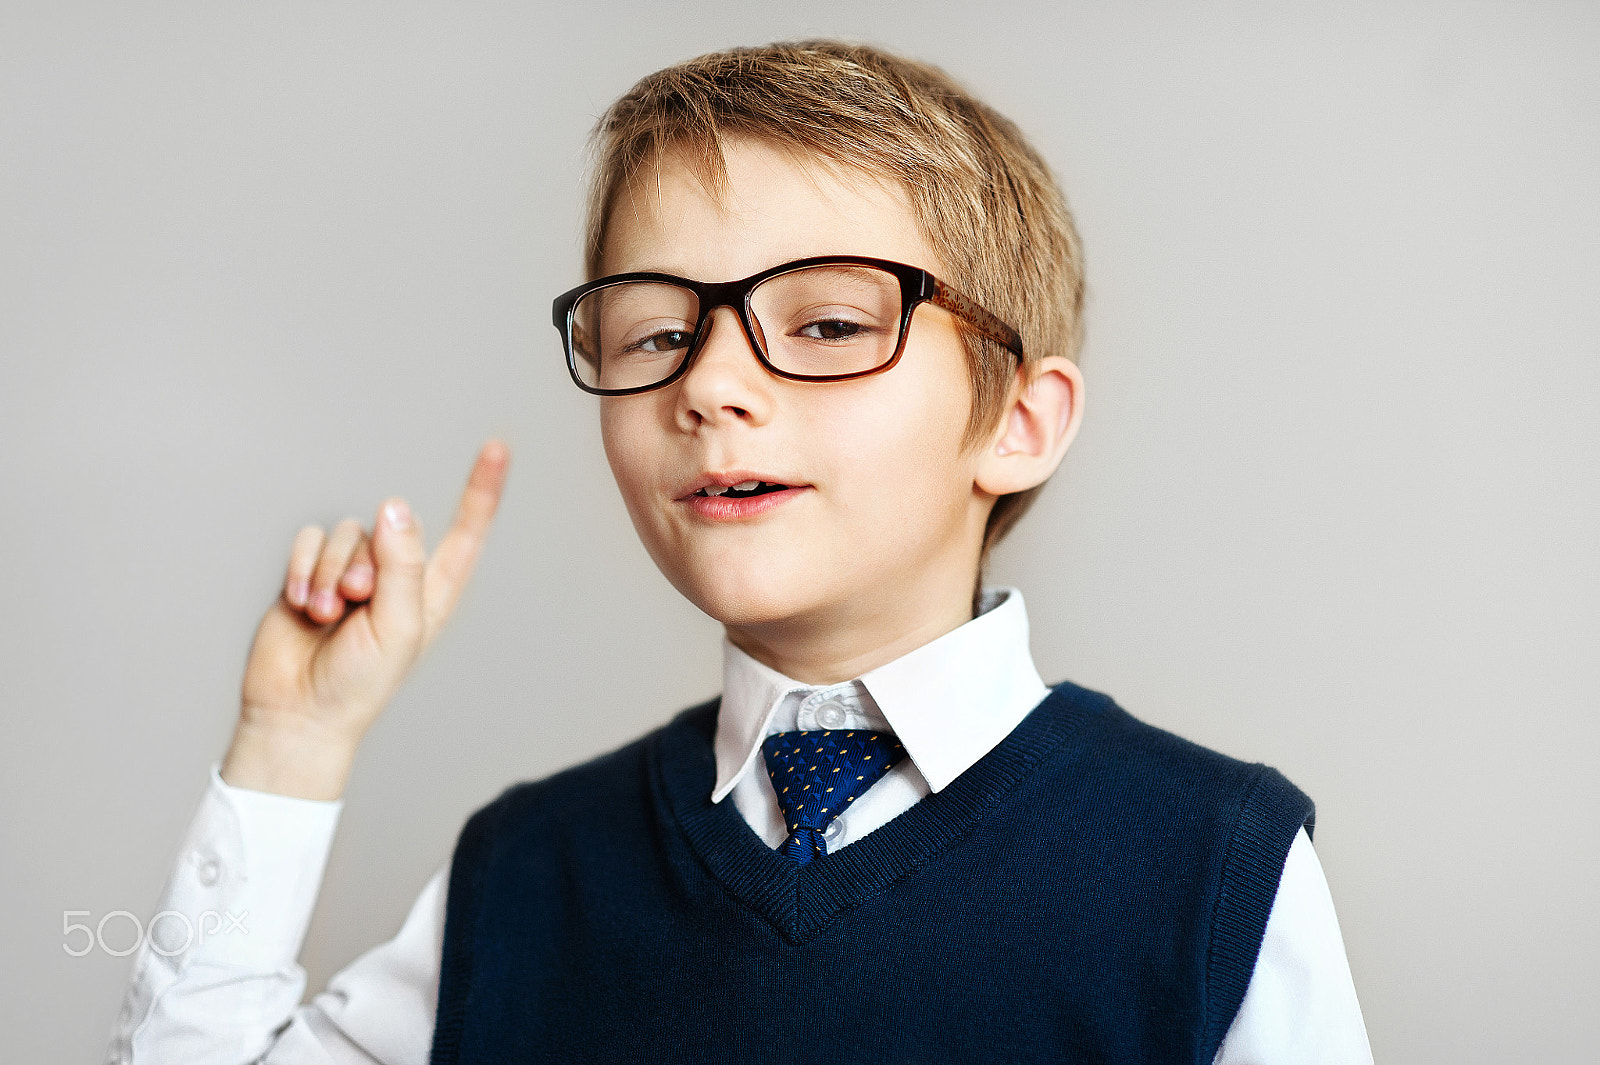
(726, 384)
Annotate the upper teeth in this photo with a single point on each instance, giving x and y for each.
(745, 486)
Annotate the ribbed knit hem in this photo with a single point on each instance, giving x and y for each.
(1272, 812)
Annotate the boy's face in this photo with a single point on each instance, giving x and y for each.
(873, 548)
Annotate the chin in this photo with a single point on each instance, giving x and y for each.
(743, 581)
(750, 601)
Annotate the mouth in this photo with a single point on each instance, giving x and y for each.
(737, 496)
(742, 490)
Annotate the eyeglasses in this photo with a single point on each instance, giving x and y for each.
(830, 318)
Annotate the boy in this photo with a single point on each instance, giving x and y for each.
(833, 310)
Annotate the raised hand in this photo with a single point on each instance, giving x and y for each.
(356, 611)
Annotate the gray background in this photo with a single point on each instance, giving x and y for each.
(1333, 506)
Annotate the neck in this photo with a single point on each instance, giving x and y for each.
(851, 640)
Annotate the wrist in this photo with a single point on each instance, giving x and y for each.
(302, 764)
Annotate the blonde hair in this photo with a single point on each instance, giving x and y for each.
(987, 203)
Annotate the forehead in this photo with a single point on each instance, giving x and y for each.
(774, 207)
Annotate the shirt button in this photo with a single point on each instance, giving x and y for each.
(831, 834)
(208, 871)
(831, 715)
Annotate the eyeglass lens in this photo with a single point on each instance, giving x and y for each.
(815, 322)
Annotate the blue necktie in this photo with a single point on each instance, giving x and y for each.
(817, 773)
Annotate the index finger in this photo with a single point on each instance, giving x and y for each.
(457, 554)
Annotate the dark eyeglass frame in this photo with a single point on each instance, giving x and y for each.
(916, 286)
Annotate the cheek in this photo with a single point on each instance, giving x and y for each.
(901, 451)
(626, 446)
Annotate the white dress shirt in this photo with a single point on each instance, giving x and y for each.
(232, 997)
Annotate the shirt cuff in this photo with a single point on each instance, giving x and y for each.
(247, 877)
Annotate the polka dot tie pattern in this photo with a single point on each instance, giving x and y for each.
(819, 772)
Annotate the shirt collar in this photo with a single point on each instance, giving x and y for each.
(949, 701)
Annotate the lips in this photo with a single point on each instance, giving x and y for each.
(736, 495)
(742, 490)
(736, 484)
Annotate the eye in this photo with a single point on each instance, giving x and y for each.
(831, 329)
(663, 341)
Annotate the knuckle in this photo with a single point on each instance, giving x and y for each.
(327, 570)
(306, 542)
(410, 569)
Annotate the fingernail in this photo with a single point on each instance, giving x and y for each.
(326, 603)
(397, 514)
(359, 575)
(298, 590)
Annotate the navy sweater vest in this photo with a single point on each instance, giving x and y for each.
(1092, 890)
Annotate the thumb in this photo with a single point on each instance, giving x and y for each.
(397, 588)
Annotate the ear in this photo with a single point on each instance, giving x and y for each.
(1038, 424)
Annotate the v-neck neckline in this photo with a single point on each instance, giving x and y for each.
(799, 900)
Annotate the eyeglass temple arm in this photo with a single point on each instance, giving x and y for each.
(987, 324)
